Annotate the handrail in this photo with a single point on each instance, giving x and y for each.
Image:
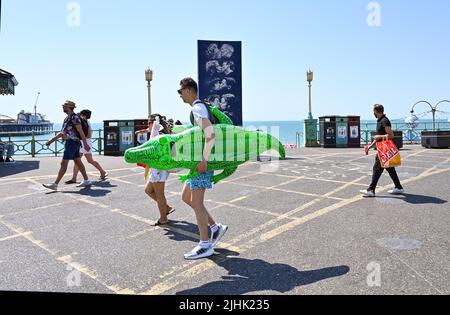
(33, 146)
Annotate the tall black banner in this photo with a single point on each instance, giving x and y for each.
(220, 76)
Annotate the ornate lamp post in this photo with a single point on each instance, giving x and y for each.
(433, 110)
(438, 139)
(310, 123)
(309, 78)
(149, 78)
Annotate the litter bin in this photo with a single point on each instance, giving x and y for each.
(398, 139)
(111, 137)
(328, 131)
(126, 131)
(354, 134)
(436, 139)
(140, 124)
(342, 132)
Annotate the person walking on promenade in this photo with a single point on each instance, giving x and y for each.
(195, 188)
(85, 115)
(72, 133)
(384, 128)
(156, 184)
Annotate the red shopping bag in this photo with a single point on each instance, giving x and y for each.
(388, 154)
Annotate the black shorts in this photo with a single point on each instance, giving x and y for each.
(71, 150)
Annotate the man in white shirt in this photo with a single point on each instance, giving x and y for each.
(195, 188)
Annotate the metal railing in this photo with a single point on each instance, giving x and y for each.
(410, 135)
(36, 145)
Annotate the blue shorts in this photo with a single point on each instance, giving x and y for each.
(202, 181)
(71, 150)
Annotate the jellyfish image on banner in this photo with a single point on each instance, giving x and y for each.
(223, 102)
(226, 51)
(213, 67)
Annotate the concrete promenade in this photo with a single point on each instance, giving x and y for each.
(303, 229)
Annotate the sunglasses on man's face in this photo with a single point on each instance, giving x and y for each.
(180, 91)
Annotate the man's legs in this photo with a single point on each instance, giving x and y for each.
(1, 152)
(377, 172)
(187, 198)
(62, 171)
(201, 213)
(393, 173)
(76, 170)
(81, 167)
(9, 151)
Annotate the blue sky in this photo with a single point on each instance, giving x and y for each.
(101, 63)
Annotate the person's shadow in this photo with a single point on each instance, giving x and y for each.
(417, 199)
(181, 231)
(92, 191)
(254, 275)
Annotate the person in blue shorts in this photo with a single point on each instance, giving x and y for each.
(73, 134)
(195, 188)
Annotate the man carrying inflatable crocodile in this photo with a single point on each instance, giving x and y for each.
(212, 147)
(195, 188)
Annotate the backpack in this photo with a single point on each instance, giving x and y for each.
(84, 125)
(211, 117)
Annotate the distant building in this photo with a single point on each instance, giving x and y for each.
(7, 83)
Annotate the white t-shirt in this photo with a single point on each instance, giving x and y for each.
(199, 110)
(155, 130)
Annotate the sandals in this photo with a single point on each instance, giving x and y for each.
(158, 223)
(103, 177)
(70, 182)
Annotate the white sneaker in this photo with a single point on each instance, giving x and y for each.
(396, 191)
(51, 186)
(367, 193)
(85, 183)
(217, 235)
(199, 252)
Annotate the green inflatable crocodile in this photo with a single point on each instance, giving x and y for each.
(234, 146)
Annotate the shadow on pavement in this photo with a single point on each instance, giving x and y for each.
(181, 225)
(8, 169)
(416, 199)
(92, 191)
(254, 275)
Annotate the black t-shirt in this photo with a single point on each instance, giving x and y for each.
(382, 123)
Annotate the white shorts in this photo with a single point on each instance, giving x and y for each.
(158, 176)
(82, 150)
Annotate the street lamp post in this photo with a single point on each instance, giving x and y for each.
(310, 77)
(438, 139)
(149, 78)
(310, 122)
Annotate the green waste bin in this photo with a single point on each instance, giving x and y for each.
(341, 132)
(328, 131)
(126, 135)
